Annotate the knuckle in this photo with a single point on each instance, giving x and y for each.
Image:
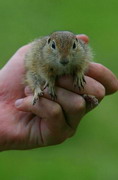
(55, 111)
(101, 68)
(79, 104)
(101, 93)
(26, 104)
(58, 139)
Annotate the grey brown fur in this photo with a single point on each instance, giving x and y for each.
(53, 56)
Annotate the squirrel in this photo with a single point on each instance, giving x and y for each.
(52, 56)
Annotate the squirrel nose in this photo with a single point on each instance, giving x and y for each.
(64, 61)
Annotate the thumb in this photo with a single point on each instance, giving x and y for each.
(26, 105)
(43, 107)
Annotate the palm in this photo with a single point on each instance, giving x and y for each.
(21, 126)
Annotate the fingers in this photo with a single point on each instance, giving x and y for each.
(42, 106)
(104, 76)
(65, 120)
(83, 37)
(74, 106)
(92, 87)
(53, 127)
(101, 74)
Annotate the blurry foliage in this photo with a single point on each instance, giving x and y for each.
(92, 154)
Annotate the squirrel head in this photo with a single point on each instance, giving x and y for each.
(64, 47)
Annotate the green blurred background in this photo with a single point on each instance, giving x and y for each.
(92, 154)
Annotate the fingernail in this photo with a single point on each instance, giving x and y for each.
(18, 102)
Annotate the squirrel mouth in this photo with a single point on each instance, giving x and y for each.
(64, 62)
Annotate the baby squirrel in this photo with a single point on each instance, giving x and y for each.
(52, 56)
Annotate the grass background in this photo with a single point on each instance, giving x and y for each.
(92, 154)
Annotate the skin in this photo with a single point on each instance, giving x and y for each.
(23, 126)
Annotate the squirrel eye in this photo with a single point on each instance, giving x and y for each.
(74, 45)
(53, 45)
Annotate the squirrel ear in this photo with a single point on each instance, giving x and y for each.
(49, 39)
(76, 39)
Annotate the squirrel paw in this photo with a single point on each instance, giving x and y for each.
(79, 81)
(91, 101)
(52, 93)
(37, 94)
(45, 85)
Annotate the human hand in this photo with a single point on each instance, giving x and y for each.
(23, 126)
